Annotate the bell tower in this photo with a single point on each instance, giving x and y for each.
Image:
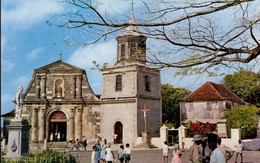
(128, 86)
(131, 44)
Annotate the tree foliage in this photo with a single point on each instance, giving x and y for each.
(197, 35)
(170, 103)
(246, 117)
(245, 84)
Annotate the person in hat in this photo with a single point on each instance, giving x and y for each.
(216, 156)
(194, 151)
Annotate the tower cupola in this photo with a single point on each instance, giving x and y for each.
(131, 44)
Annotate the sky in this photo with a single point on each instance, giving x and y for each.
(30, 39)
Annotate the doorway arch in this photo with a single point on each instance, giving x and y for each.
(58, 124)
(118, 133)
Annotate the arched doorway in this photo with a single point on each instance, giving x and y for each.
(58, 124)
(118, 133)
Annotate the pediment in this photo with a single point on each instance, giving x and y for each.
(58, 66)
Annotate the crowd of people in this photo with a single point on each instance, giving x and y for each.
(103, 153)
(204, 150)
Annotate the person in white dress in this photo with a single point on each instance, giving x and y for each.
(109, 154)
(103, 149)
(51, 139)
(165, 150)
(239, 150)
(58, 136)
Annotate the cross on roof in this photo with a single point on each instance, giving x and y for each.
(60, 56)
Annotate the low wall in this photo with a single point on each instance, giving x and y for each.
(229, 142)
(251, 144)
(158, 142)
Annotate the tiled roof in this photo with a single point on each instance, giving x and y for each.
(9, 114)
(212, 92)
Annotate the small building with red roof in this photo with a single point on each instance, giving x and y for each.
(206, 104)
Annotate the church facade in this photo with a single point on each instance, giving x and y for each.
(59, 98)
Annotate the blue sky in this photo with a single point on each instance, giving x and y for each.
(28, 42)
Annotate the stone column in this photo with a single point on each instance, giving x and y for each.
(41, 125)
(43, 87)
(78, 84)
(34, 125)
(37, 93)
(70, 128)
(74, 88)
(78, 123)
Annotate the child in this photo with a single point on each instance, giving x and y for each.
(84, 143)
(77, 145)
(239, 150)
(94, 158)
(109, 154)
(165, 149)
(58, 137)
(127, 153)
(70, 146)
(176, 157)
(121, 156)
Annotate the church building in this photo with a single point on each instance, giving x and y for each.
(59, 98)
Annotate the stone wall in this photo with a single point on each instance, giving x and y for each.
(122, 112)
(229, 142)
(204, 109)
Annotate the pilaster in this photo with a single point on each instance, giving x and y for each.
(71, 131)
(37, 93)
(41, 124)
(34, 125)
(43, 87)
(78, 123)
(79, 88)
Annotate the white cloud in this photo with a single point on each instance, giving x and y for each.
(7, 98)
(3, 43)
(101, 53)
(6, 65)
(34, 53)
(22, 81)
(27, 12)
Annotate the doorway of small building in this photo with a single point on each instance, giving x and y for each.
(58, 126)
(118, 133)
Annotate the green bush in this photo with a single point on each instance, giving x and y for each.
(44, 157)
(245, 117)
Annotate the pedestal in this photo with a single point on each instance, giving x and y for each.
(145, 137)
(18, 138)
(146, 143)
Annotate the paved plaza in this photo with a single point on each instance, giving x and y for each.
(155, 156)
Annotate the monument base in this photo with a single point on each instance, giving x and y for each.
(18, 138)
(146, 143)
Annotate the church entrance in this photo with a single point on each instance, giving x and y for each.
(58, 126)
(118, 133)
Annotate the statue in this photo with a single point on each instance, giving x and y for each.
(19, 103)
(59, 89)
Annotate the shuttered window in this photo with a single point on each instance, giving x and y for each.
(119, 83)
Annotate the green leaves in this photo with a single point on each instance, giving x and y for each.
(170, 103)
(97, 65)
(245, 84)
(246, 117)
